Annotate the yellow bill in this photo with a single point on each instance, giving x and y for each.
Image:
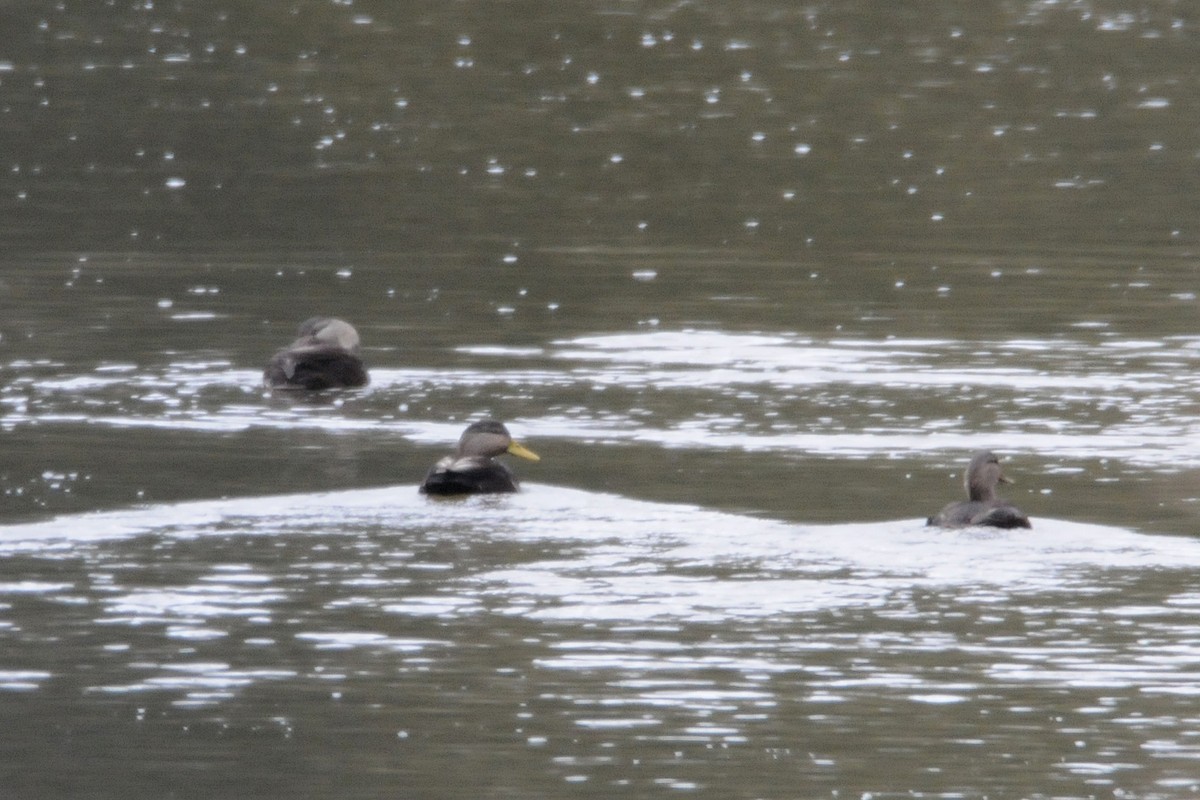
(521, 451)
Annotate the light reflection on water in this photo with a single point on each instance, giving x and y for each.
(798, 259)
(626, 625)
(1123, 399)
(581, 556)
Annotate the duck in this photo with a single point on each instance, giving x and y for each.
(473, 468)
(324, 356)
(983, 507)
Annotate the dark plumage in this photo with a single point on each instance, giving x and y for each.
(325, 356)
(473, 469)
(983, 506)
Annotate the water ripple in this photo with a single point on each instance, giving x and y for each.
(703, 389)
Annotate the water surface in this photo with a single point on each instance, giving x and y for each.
(755, 281)
(563, 637)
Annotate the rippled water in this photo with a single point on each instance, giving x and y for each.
(574, 637)
(700, 410)
(753, 279)
(1075, 398)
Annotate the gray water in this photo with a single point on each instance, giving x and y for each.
(754, 279)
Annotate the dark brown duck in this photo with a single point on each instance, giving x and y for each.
(324, 356)
(473, 469)
(983, 506)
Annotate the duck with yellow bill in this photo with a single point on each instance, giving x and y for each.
(473, 468)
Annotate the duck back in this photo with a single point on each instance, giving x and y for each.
(966, 513)
(315, 367)
(466, 476)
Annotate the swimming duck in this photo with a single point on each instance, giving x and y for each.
(473, 469)
(984, 507)
(323, 357)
